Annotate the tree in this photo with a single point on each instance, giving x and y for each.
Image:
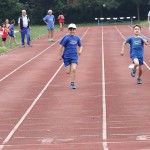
(9, 9)
(138, 3)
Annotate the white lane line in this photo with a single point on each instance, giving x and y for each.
(104, 121)
(148, 67)
(27, 62)
(9, 136)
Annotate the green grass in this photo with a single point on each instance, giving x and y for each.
(39, 31)
(144, 23)
(35, 32)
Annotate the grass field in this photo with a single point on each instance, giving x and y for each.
(35, 32)
(39, 31)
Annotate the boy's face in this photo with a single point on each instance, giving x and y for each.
(72, 31)
(137, 30)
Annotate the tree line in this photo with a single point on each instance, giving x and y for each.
(78, 11)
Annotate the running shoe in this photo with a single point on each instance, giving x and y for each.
(139, 81)
(72, 86)
(133, 72)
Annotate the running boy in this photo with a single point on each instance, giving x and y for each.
(136, 51)
(68, 51)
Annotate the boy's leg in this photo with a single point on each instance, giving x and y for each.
(3, 44)
(73, 71)
(68, 69)
(139, 80)
(136, 64)
(10, 40)
(15, 40)
(140, 71)
(73, 75)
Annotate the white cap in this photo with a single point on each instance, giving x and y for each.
(72, 25)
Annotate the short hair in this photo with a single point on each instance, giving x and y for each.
(3, 23)
(50, 11)
(13, 21)
(23, 10)
(136, 26)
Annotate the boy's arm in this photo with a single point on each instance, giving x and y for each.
(60, 52)
(144, 40)
(123, 46)
(80, 50)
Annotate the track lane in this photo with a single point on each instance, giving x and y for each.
(69, 90)
(20, 89)
(70, 120)
(127, 102)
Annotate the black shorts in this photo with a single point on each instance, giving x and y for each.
(4, 39)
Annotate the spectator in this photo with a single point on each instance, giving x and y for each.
(4, 34)
(61, 20)
(24, 28)
(50, 21)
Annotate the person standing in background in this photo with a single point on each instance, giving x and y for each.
(61, 20)
(24, 28)
(50, 21)
(7, 25)
(11, 32)
(4, 34)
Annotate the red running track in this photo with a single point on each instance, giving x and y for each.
(107, 111)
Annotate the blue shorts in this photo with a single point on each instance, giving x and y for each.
(11, 35)
(140, 60)
(50, 27)
(68, 61)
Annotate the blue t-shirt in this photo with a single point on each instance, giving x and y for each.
(11, 31)
(50, 19)
(70, 44)
(136, 46)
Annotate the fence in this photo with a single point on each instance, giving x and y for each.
(115, 20)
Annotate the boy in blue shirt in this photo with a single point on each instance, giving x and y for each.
(136, 51)
(50, 20)
(11, 32)
(68, 52)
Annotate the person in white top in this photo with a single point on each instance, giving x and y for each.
(24, 28)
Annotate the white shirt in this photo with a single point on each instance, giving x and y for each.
(25, 21)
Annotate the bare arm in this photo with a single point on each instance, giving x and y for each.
(144, 40)
(60, 52)
(45, 22)
(80, 50)
(123, 47)
(19, 27)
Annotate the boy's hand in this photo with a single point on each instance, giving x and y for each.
(79, 52)
(122, 53)
(60, 57)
